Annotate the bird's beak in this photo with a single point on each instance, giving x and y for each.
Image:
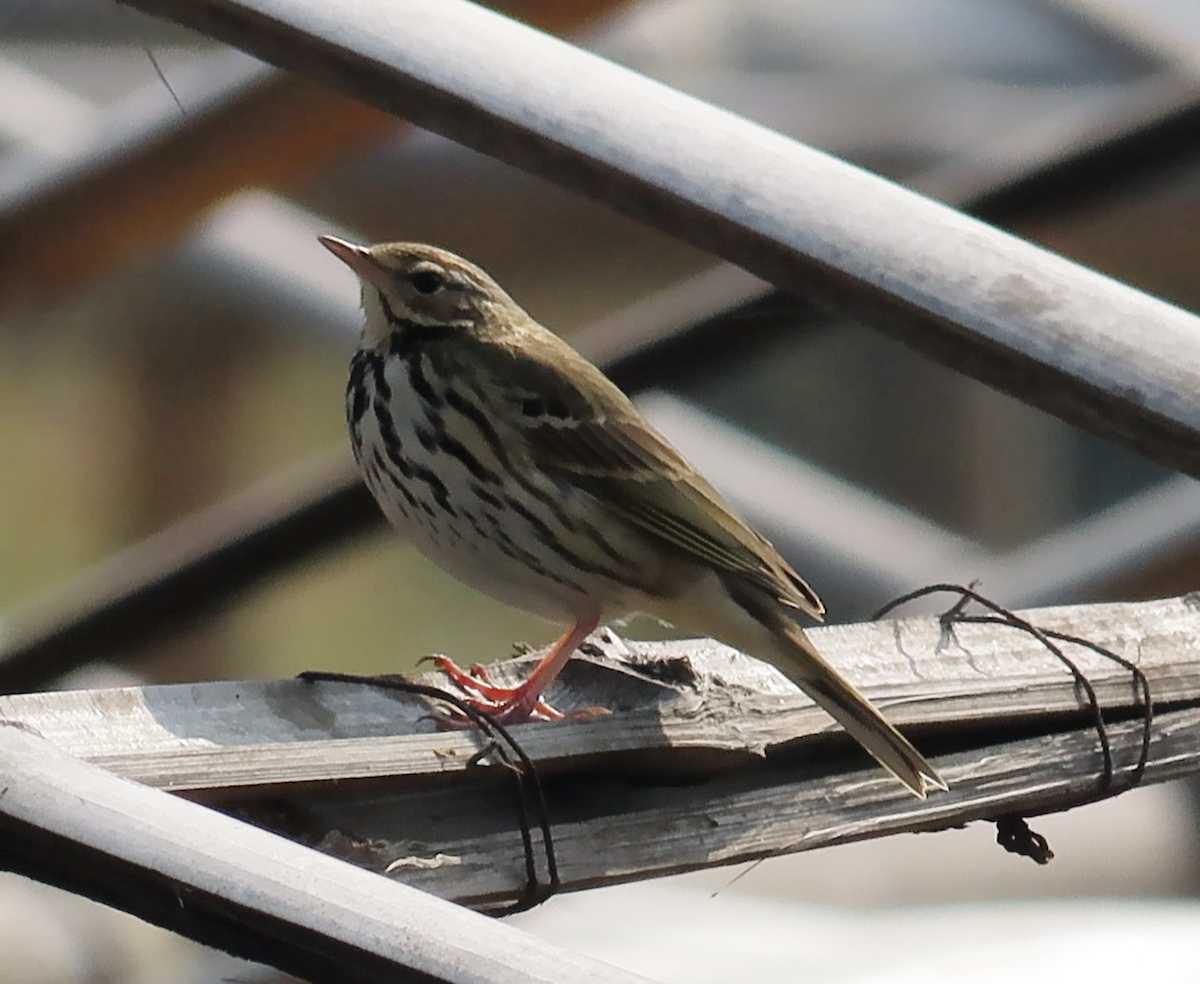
(357, 258)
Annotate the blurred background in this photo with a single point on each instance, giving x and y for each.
(171, 334)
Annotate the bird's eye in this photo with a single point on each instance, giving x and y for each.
(427, 282)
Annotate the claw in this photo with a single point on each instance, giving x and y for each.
(514, 705)
(503, 703)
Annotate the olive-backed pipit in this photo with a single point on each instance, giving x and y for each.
(515, 464)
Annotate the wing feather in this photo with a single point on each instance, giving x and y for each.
(604, 446)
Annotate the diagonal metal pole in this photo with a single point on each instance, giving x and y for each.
(1082, 346)
(170, 579)
(153, 169)
(252, 893)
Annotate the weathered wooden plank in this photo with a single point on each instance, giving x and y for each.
(610, 829)
(708, 757)
(221, 735)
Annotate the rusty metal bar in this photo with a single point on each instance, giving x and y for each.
(147, 179)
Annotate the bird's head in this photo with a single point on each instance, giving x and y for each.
(407, 284)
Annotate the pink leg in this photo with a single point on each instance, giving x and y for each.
(512, 705)
(474, 678)
(482, 692)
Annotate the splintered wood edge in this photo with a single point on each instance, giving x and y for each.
(633, 833)
(279, 753)
(247, 734)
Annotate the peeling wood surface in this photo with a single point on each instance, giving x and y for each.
(673, 695)
(707, 758)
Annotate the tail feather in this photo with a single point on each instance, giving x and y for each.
(805, 667)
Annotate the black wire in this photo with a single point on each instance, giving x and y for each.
(525, 773)
(1139, 679)
(162, 76)
(1005, 616)
(1012, 832)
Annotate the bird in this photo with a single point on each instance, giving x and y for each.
(515, 464)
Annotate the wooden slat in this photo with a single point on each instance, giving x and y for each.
(611, 830)
(697, 731)
(249, 733)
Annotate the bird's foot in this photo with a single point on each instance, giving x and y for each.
(508, 705)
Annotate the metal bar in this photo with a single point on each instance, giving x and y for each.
(1143, 547)
(862, 550)
(1086, 348)
(1095, 165)
(247, 891)
(871, 550)
(1165, 30)
(157, 168)
(170, 579)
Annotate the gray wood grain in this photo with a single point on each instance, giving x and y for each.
(708, 757)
